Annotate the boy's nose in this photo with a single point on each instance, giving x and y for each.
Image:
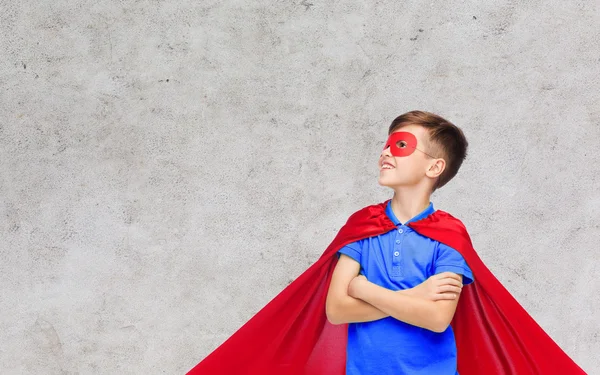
(386, 151)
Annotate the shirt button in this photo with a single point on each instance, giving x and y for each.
(397, 241)
(400, 230)
(396, 253)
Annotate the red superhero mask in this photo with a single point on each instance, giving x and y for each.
(401, 143)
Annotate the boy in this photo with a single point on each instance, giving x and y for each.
(397, 281)
(402, 333)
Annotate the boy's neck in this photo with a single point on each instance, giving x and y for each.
(407, 204)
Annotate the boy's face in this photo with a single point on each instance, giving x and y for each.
(403, 161)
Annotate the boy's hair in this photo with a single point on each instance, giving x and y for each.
(446, 140)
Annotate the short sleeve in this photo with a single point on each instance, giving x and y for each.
(448, 259)
(353, 250)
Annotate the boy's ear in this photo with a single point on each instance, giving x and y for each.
(436, 168)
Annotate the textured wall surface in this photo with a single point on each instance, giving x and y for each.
(167, 167)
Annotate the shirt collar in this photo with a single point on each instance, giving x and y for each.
(426, 212)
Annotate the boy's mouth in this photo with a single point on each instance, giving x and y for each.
(387, 166)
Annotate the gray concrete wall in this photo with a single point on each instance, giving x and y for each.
(169, 166)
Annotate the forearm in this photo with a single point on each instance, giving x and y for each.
(403, 306)
(354, 310)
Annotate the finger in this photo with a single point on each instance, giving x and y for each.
(450, 281)
(453, 287)
(444, 296)
(448, 274)
(450, 288)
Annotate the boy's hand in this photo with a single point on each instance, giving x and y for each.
(355, 284)
(443, 286)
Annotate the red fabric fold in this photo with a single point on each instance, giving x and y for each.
(291, 334)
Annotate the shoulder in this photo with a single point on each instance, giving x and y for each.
(449, 218)
(444, 227)
(370, 211)
(363, 223)
(442, 248)
(445, 221)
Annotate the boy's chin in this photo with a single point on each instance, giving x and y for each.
(392, 184)
(387, 183)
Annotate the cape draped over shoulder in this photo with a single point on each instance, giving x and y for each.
(291, 334)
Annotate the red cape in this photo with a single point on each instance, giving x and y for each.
(292, 336)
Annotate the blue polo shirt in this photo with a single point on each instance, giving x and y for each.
(402, 259)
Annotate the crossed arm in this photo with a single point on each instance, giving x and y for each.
(352, 298)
